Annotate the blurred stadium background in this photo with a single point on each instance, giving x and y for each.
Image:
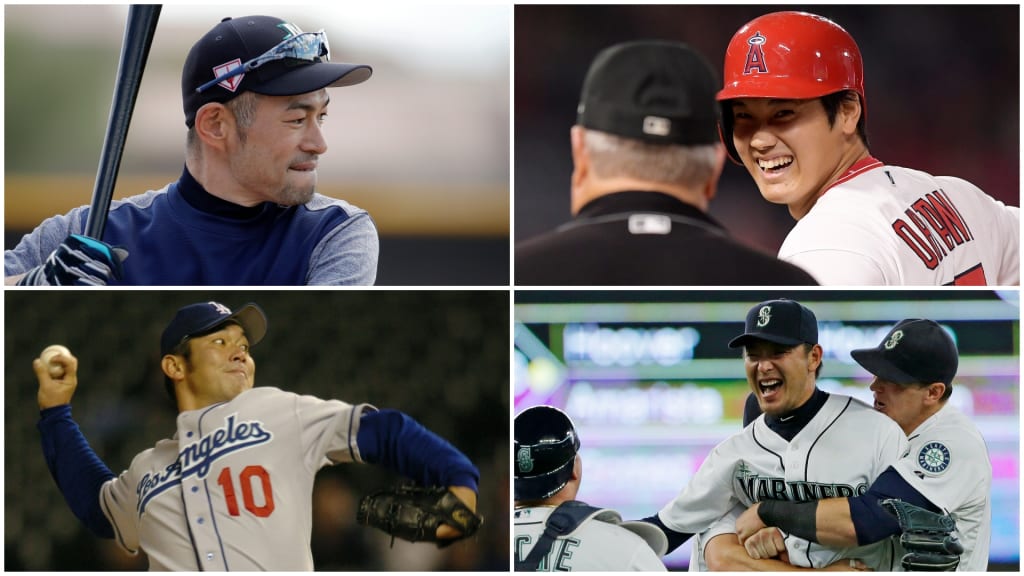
(423, 146)
(652, 386)
(942, 96)
(442, 357)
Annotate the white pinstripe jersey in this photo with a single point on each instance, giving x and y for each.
(886, 225)
(232, 490)
(840, 452)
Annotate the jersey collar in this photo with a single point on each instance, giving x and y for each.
(859, 167)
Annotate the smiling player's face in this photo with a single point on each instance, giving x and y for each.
(781, 377)
(790, 149)
(220, 366)
(276, 160)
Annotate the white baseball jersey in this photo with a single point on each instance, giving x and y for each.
(599, 544)
(232, 490)
(840, 452)
(948, 464)
(886, 225)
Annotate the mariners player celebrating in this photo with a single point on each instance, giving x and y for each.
(554, 532)
(789, 452)
(946, 470)
(232, 489)
(793, 112)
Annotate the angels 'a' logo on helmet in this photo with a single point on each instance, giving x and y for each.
(755, 55)
(894, 340)
(524, 460)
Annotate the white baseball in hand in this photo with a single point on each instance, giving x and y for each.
(56, 370)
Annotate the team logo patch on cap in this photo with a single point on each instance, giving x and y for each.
(764, 315)
(894, 339)
(934, 457)
(220, 307)
(524, 460)
(230, 84)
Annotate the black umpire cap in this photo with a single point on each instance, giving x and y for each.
(545, 450)
(915, 351)
(656, 91)
(782, 321)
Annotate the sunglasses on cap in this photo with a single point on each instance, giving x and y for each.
(309, 46)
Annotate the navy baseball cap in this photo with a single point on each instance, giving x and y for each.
(915, 351)
(656, 91)
(236, 41)
(785, 322)
(544, 451)
(205, 316)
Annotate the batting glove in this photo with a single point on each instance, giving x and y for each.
(78, 261)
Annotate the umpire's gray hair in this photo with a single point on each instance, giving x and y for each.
(613, 156)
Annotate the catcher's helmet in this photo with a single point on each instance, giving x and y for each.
(789, 55)
(545, 450)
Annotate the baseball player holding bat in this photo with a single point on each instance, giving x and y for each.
(794, 114)
(946, 472)
(789, 453)
(232, 489)
(245, 210)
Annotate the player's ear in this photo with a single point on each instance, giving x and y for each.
(814, 357)
(850, 111)
(213, 123)
(173, 366)
(934, 392)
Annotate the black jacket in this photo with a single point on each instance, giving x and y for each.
(646, 239)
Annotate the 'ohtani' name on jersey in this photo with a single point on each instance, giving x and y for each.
(935, 228)
(759, 488)
(197, 457)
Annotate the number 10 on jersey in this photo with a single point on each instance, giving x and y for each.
(245, 481)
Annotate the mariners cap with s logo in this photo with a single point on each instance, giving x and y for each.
(277, 67)
(782, 321)
(656, 91)
(915, 351)
(204, 317)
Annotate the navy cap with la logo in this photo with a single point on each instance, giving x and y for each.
(203, 317)
(915, 351)
(782, 321)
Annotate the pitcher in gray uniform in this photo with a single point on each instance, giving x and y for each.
(232, 488)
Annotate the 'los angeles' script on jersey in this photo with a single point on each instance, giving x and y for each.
(197, 457)
(758, 488)
(933, 227)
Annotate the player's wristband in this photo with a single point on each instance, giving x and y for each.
(796, 518)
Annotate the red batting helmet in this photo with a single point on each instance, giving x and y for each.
(790, 55)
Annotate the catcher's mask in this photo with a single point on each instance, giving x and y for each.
(545, 449)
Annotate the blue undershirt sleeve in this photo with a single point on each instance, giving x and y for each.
(870, 520)
(78, 471)
(392, 439)
(675, 539)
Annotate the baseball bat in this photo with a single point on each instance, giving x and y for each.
(138, 37)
